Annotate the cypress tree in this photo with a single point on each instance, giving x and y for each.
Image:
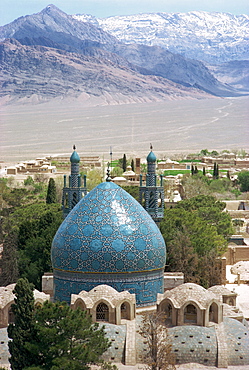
(204, 171)
(51, 193)
(22, 332)
(217, 171)
(124, 164)
(192, 170)
(8, 262)
(214, 171)
(132, 165)
(196, 170)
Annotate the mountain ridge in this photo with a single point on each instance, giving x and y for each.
(213, 37)
(66, 40)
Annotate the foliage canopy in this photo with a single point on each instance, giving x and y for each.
(52, 336)
(196, 233)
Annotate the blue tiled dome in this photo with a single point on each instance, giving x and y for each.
(108, 234)
(108, 231)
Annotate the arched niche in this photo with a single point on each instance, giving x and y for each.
(214, 313)
(102, 312)
(125, 310)
(190, 314)
(11, 316)
(80, 304)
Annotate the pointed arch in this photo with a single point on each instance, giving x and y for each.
(190, 314)
(11, 316)
(213, 313)
(125, 310)
(102, 312)
(80, 304)
(75, 199)
(160, 200)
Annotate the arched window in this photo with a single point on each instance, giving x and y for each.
(66, 200)
(80, 304)
(168, 313)
(143, 200)
(38, 305)
(125, 311)
(151, 200)
(74, 200)
(11, 316)
(102, 312)
(213, 313)
(190, 314)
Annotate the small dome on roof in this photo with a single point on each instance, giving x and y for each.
(191, 292)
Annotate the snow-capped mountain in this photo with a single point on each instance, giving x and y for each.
(211, 37)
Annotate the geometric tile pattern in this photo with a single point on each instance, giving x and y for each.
(144, 285)
(109, 232)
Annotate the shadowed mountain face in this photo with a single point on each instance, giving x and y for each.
(57, 55)
(50, 73)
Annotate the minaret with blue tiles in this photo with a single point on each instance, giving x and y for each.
(151, 196)
(73, 192)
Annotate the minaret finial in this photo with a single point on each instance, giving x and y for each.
(74, 147)
(151, 147)
(108, 179)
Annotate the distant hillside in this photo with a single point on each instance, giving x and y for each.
(234, 73)
(56, 55)
(40, 73)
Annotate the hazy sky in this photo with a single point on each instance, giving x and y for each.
(12, 9)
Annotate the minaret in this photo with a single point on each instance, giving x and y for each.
(151, 196)
(74, 192)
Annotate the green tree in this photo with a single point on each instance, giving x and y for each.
(34, 242)
(214, 171)
(22, 331)
(132, 165)
(66, 338)
(124, 164)
(133, 190)
(196, 233)
(194, 185)
(51, 192)
(28, 181)
(243, 179)
(204, 152)
(94, 177)
(8, 262)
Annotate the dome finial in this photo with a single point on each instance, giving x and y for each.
(74, 157)
(108, 179)
(151, 156)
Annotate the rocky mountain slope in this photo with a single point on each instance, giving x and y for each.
(211, 37)
(39, 73)
(57, 55)
(234, 73)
